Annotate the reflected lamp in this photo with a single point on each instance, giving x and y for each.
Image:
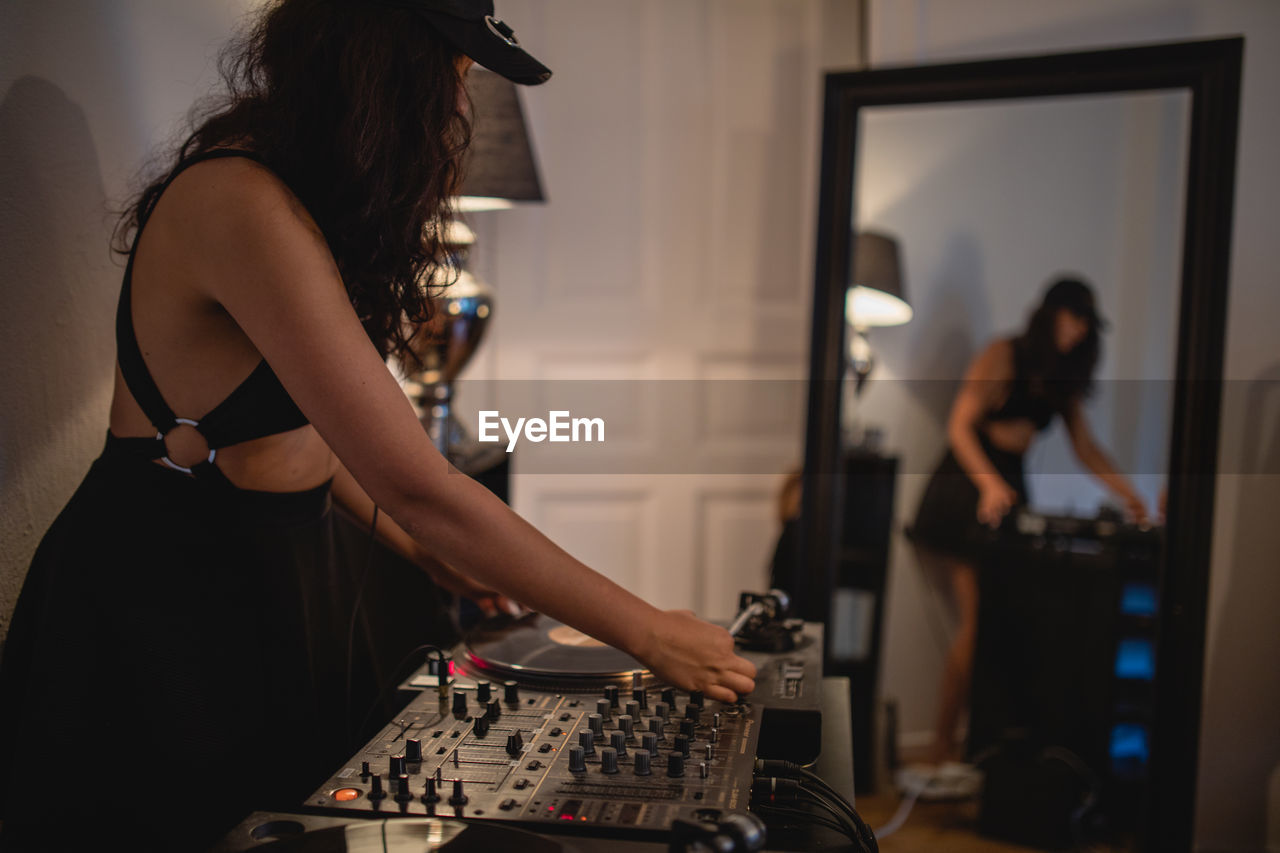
(876, 296)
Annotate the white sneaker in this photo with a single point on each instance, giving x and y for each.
(948, 781)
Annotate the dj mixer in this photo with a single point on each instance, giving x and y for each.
(533, 727)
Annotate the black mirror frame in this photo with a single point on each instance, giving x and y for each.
(1210, 71)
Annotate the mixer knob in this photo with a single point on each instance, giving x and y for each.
(397, 767)
(602, 708)
(662, 710)
(611, 693)
(669, 696)
(641, 696)
(715, 735)
(695, 698)
(595, 722)
(587, 741)
(655, 727)
(364, 770)
(430, 796)
(626, 724)
(642, 764)
(510, 692)
(703, 772)
(515, 744)
(481, 727)
(608, 760)
(375, 787)
(578, 758)
(403, 794)
(709, 752)
(459, 703)
(494, 710)
(693, 712)
(686, 728)
(715, 719)
(682, 745)
(675, 765)
(632, 709)
(413, 750)
(482, 692)
(458, 798)
(618, 743)
(649, 743)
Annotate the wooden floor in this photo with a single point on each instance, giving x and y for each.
(938, 828)
(941, 827)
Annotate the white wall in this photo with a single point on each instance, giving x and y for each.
(1240, 740)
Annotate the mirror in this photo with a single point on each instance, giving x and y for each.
(993, 177)
(987, 200)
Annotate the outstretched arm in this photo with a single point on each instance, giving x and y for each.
(347, 492)
(261, 257)
(985, 381)
(1093, 457)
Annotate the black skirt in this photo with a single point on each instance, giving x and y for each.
(947, 519)
(177, 658)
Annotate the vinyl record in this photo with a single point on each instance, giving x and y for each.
(538, 649)
(416, 835)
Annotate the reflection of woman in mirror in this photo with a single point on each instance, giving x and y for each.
(1011, 392)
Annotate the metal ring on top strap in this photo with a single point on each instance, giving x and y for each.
(213, 452)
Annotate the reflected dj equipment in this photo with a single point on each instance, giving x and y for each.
(538, 728)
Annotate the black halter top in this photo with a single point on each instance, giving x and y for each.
(259, 406)
(1026, 399)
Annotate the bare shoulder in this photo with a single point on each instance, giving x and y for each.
(237, 197)
(237, 222)
(995, 362)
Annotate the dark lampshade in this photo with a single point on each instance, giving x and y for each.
(499, 164)
(877, 294)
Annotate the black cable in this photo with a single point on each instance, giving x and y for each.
(858, 829)
(790, 769)
(801, 816)
(395, 676)
(355, 612)
(767, 792)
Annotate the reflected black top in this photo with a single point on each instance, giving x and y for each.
(259, 406)
(1027, 398)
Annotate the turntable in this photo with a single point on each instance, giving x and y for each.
(538, 650)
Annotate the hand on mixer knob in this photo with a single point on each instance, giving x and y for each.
(688, 653)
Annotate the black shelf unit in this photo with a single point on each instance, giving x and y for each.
(857, 602)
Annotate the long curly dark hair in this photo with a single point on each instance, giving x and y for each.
(1062, 377)
(358, 107)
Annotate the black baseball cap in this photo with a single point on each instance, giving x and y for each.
(1077, 297)
(471, 27)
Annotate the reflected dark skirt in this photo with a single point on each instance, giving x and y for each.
(947, 519)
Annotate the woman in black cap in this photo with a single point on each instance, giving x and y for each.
(1011, 392)
(181, 649)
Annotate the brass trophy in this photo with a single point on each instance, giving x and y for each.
(444, 345)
